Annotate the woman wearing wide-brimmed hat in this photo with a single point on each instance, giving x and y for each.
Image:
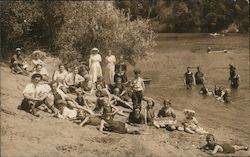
(94, 64)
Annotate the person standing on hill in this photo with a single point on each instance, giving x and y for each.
(94, 64)
(110, 67)
(138, 88)
(189, 79)
(121, 70)
(199, 76)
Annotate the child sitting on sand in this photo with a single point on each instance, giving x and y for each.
(150, 112)
(212, 147)
(166, 117)
(191, 124)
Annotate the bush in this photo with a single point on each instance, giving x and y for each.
(100, 24)
(29, 24)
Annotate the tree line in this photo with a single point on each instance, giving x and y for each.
(72, 28)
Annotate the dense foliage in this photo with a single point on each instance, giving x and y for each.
(90, 24)
(29, 24)
(191, 15)
(72, 28)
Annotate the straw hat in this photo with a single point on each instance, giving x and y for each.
(18, 49)
(94, 49)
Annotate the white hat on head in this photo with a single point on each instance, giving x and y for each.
(18, 49)
(94, 49)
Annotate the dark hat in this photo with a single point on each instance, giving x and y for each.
(36, 75)
(137, 71)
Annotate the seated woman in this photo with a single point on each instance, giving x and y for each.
(191, 124)
(60, 75)
(166, 117)
(72, 80)
(39, 69)
(37, 59)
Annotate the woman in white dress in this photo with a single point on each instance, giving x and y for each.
(94, 64)
(110, 67)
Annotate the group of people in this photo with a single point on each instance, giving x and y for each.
(191, 79)
(81, 95)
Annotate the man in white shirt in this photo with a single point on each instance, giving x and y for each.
(36, 94)
(72, 80)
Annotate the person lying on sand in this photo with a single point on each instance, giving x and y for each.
(213, 148)
(166, 117)
(65, 112)
(36, 94)
(108, 124)
(58, 97)
(191, 124)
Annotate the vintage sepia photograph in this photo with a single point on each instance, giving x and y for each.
(138, 78)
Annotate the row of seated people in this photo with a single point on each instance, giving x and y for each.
(36, 94)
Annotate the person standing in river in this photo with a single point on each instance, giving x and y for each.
(189, 79)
